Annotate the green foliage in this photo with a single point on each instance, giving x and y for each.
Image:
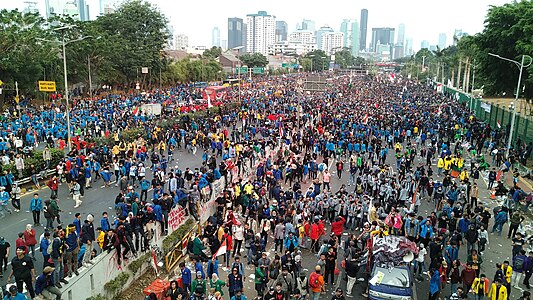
(344, 58)
(115, 285)
(319, 60)
(36, 159)
(187, 70)
(135, 265)
(176, 236)
(254, 60)
(212, 53)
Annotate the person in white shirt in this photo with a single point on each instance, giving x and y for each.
(238, 237)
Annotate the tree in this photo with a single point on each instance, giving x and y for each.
(344, 58)
(212, 53)
(319, 60)
(254, 60)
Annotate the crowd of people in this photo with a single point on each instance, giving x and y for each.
(279, 156)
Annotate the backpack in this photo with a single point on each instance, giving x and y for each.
(518, 263)
(313, 280)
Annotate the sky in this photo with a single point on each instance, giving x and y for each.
(423, 19)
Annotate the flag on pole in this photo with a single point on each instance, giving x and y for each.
(392, 77)
(209, 105)
(499, 124)
(281, 131)
(222, 249)
(136, 111)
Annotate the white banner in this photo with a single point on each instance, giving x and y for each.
(486, 106)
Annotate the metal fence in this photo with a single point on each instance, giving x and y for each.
(494, 113)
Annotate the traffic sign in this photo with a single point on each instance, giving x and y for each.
(241, 70)
(259, 70)
(47, 86)
(288, 65)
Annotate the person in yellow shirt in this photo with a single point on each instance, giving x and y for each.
(507, 271)
(100, 238)
(464, 175)
(440, 165)
(480, 286)
(497, 291)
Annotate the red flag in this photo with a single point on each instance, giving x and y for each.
(365, 119)
(222, 249)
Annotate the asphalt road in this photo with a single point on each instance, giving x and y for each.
(99, 199)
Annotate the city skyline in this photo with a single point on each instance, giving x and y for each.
(469, 18)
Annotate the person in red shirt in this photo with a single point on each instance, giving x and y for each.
(53, 184)
(20, 242)
(229, 245)
(315, 235)
(30, 240)
(338, 226)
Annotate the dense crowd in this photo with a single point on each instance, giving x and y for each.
(277, 157)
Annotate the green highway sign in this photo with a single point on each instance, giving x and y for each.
(241, 70)
(259, 70)
(288, 65)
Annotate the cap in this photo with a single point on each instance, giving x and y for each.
(198, 273)
(13, 289)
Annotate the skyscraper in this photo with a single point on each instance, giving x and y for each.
(260, 32)
(321, 31)
(236, 32)
(363, 27)
(382, 36)
(281, 31)
(83, 10)
(424, 44)
(331, 42)
(350, 31)
(442, 41)
(408, 49)
(308, 25)
(31, 7)
(107, 6)
(77, 9)
(399, 49)
(215, 37)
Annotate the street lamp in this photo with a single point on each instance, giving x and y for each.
(63, 44)
(521, 67)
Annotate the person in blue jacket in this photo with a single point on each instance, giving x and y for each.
(186, 277)
(36, 206)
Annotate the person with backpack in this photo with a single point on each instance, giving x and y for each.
(302, 285)
(518, 267)
(316, 283)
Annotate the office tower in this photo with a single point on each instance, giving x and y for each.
(30, 7)
(215, 37)
(224, 44)
(350, 31)
(260, 32)
(382, 36)
(302, 36)
(308, 25)
(281, 31)
(83, 11)
(321, 31)
(457, 35)
(424, 44)
(363, 27)
(442, 41)
(408, 47)
(399, 48)
(235, 33)
(107, 6)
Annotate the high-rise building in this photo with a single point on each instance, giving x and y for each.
(236, 33)
(302, 36)
(181, 42)
(399, 48)
(408, 49)
(215, 37)
(281, 31)
(331, 42)
(224, 44)
(363, 28)
(457, 35)
(321, 31)
(424, 44)
(382, 36)
(77, 9)
(308, 25)
(442, 41)
(350, 31)
(260, 32)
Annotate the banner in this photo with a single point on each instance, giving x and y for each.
(176, 217)
(486, 106)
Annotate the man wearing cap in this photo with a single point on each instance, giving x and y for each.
(45, 282)
(88, 237)
(199, 282)
(23, 270)
(14, 294)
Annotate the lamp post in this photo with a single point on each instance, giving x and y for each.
(521, 67)
(63, 29)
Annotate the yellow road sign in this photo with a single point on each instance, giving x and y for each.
(47, 86)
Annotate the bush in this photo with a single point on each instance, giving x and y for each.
(177, 235)
(36, 159)
(130, 135)
(135, 265)
(118, 283)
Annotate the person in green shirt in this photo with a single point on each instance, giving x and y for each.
(217, 283)
(260, 279)
(198, 281)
